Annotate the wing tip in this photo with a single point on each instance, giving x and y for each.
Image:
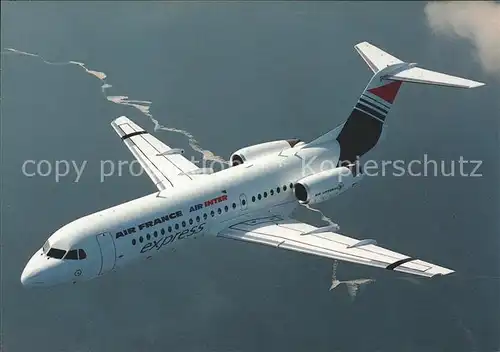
(439, 271)
(475, 84)
(360, 44)
(120, 120)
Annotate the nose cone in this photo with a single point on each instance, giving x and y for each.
(40, 271)
(30, 276)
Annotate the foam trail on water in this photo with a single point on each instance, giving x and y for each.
(19, 52)
(323, 216)
(469, 336)
(142, 105)
(353, 286)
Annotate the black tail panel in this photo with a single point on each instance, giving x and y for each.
(361, 133)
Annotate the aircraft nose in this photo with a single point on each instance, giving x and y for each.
(31, 276)
(38, 272)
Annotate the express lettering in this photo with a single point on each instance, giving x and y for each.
(158, 244)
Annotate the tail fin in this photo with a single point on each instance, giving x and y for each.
(362, 130)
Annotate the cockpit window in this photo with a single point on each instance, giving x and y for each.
(72, 254)
(82, 254)
(56, 253)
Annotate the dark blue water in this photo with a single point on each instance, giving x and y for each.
(235, 74)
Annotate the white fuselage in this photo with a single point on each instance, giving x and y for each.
(162, 221)
(272, 177)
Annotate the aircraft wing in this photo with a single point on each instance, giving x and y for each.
(167, 169)
(290, 234)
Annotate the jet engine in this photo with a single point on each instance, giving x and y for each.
(327, 184)
(256, 151)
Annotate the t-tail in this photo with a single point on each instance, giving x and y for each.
(362, 130)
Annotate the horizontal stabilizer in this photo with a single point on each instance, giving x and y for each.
(423, 76)
(374, 57)
(378, 60)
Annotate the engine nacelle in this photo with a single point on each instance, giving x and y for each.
(256, 151)
(327, 184)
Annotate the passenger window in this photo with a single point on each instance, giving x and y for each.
(56, 253)
(72, 254)
(176, 226)
(133, 242)
(278, 190)
(234, 205)
(259, 196)
(82, 254)
(141, 239)
(205, 216)
(212, 213)
(291, 185)
(253, 199)
(272, 192)
(226, 208)
(162, 231)
(265, 194)
(183, 224)
(243, 202)
(155, 233)
(284, 188)
(219, 211)
(148, 236)
(190, 221)
(198, 219)
(170, 229)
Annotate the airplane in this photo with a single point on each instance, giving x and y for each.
(250, 201)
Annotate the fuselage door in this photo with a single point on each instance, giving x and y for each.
(243, 201)
(108, 252)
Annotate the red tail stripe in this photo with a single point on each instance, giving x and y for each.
(387, 92)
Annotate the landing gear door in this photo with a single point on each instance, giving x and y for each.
(108, 252)
(243, 201)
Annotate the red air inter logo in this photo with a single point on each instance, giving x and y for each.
(211, 202)
(208, 203)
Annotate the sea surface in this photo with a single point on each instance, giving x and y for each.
(232, 74)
